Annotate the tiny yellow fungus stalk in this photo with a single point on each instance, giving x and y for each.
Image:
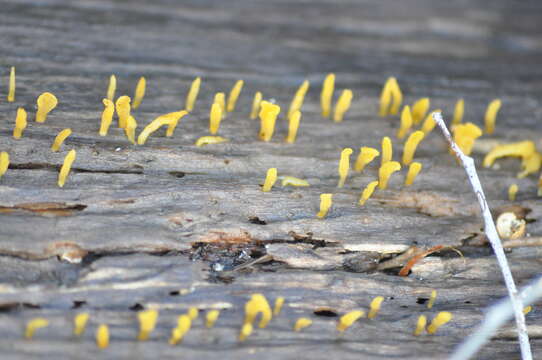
(530, 165)
(66, 167)
(464, 136)
(397, 96)
(193, 313)
(206, 140)
(299, 97)
(413, 171)
(527, 309)
(20, 123)
(256, 105)
(442, 318)
(387, 150)
(410, 146)
(102, 336)
(174, 118)
(152, 127)
(375, 307)
(192, 95)
(302, 323)
(325, 203)
(293, 125)
(258, 305)
(491, 115)
(107, 116)
(385, 98)
(293, 181)
(245, 332)
(278, 306)
(214, 118)
(406, 122)
(344, 166)
(268, 116)
(220, 99)
(123, 107)
(432, 299)
(459, 110)
(34, 325)
(130, 128)
(184, 323)
(139, 93)
(327, 94)
(147, 323)
(211, 317)
(111, 88)
(420, 325)
(385, 172)
(366, 155)
(343, 104)
(4, 163)
(11, 91)
(367, 192)
(526, 150)
(419, 110)
(270, 179)
(80, 323)
(46, 103)
(348, 319)
(429, 123)
(512, 192)
(234, 95)
(59, 139)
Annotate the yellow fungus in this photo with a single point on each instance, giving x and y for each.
(123, 107)
(397, 97)
(147, 323)
(406, 122)
(522, 149)
(293, 181)
(79, 323)
(299, 97)
(302, 323)
(464, 136)
(34, 325)
(442, 318)
(410, 146)
(193, 313)
(530, 165)
(174, 118)
(184, 323)
(152, 127)
(245, 332)
(387, 150)
(20, 123)
(327, 94)
(102, 336)
(344, 166)
(432, 299)
(256, 105)
(413, 171)
(192, 94)
(429, 123)
(214, 118)
(348, 319)
(419, 110)
(11, 91)
(385, 172)
(234, 95)
(343, 104)
(367, 192)
(46, 103)
(220, 99)
(278, 305)
(107, 116)
(258, 305)
(130, 128)
(512, 191)
(4, 162)
(268, 116)
(211, 317)
(375, 307)
(459, 110)
(366, 155)
(111, 88)
(527, 309)
(66, 167)
(139, 92)
(491, 115)
(325, 203)
(206, 140)
(59, 139)
(420, 325)
(385, 98)
(293, 125)
(270, 179)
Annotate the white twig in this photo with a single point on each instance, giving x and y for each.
(493, 236)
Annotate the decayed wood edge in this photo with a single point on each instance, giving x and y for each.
(491, 233)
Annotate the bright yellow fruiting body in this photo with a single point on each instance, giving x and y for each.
(278, 306)
(326, 95)
(385, 98)
(46, 103)
(410, 146)
(211, 317)
(152, 127)
(258, 305)
(419, 110)
(429, 123)
(326, 201)
(385, 171)
(293, 181)
(256, 105)
(107, 116)
(348, 319)
(192, 94)
(59, 139)
(4, 163)
(375, 307)
(270, 179)
(174, 118)
(193, 313)
(420, 325)
(302, 323)
(102, 336)
(220, 99)
(344, 166)
(512, 191)
(245, 332)
(11, 91)
(442, 318)
(130, 128)
(184, 323)
(299, 97)
(530, 165)
(123, 107)
(491, 115)
(111, 88)
(234, 95)
(406, 122)
(139, 92)
(147, 323)
(214, 118)
(80, 323)
(397, 96)
(413, 171)
(387, 150)
(459, 110)
(34, 325)
(343, 104)
(293, 125)
(464, 136)
(66, 167)
(268, 116)
(522, 149)
(432, 299)
(366, 155)
(527, 309)
(20, 123)
(206, 140)
(367, 192)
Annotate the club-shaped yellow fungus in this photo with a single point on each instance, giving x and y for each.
(278, 305)
(459, 110)
(406, 122)
(268, 116)
(270, 179)
(432, 299)
(293, 181)
(234, 95)
(387, 150)
(245, 332)
(152, 127)
(512, 191)
(327, 94)
(211, 317)
(123, 107)
(256, 105)
(102, 336)
(46, 103)
(193, 313)
(385, 172)
(413, 171)
(420, 325)
(491, 115)
(348, 319)
(429, 123)
(375, 307)
(367, 192)
(206, 140)
(527, 309)
(325, 203)
(342, 106)
(111, 88)
(11, 91)
(183, 326)
(34, 325)
(66, 167)
(220, 99)
(139, 92)
(107, 116)
(20, 123)
(419, 110)
(192, 94)
(293, 125)
(410, 146)
(299, 97)
(397, 97)
(385, 98)
(526, 150)
(130, 128)
(59, 139)
(344, 166)
(302, 323)
(80, 323)
(464, 136)
(366, 155)
(214, 118)
(4, 162)
(147, 323)
(174, 118)
(442, 318)
(530, 165)
(258, 305)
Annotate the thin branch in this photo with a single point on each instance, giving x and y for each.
(492, 235)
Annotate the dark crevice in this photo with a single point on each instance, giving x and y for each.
(78, 303)
(53, 167)
(325, 312)
(136, 307)
(16, 306)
